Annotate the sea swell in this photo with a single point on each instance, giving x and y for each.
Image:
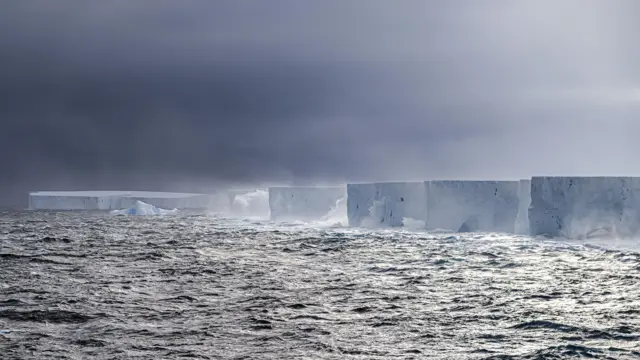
(77, 285)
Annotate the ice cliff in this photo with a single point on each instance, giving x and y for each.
(524, 200)
(110, 200)
(386, 204)
(303, 202)
(465, 206)
(579, 207)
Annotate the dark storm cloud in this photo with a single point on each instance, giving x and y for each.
(154, 93)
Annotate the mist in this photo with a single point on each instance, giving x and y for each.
(197, 95)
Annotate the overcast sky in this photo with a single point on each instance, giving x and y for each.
(172, 94)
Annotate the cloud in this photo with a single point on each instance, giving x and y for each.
(150, 94)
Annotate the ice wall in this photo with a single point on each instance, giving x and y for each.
(84, 200)
(168, 200)
(579, 207)
(472, 205)
(385, 204)
(111, 200)
(524, 200)
(360, 199)
(303, 202)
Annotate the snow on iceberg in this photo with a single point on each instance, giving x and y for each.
(141, 208)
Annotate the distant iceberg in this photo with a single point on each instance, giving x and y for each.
(142, 208)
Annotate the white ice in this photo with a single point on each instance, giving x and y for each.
(110, 200)
(524, 200)
(582, 207)
(307, 203)
(387, 204)
(472, 205)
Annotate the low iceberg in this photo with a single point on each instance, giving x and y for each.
(141, 208)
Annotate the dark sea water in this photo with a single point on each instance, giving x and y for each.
(93, 285)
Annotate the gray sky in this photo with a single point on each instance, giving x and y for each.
(185, 94)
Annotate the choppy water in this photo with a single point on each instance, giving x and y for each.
(97, 286)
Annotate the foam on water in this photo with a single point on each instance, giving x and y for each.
(144, 209)
(413, 224)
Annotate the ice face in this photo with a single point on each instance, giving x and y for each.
(579, 207)
(387, 204)
(110, 200)
(360, 199)
(249, 202)
(303, 202)
(524, 200)
(472, 205)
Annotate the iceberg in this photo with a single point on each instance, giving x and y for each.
(524, 200)
(583, 207)
(469, 206)
(111, 200)
(141, 208)
(385, 204)
(360, 198)
(75, 200)
(306, 203)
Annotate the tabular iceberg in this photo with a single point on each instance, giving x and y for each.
(303, 202)
(75, 200)
(524, 200)
(141, 208)
(578, 207)
(465, 206)
(360, 199)
(110, 200)
(388, 204)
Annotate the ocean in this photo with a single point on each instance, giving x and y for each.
(195, 286)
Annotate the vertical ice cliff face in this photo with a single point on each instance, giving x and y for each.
(524, 200)
(85, 200)
(110, 200)
(360, 199)
(465, 206)
(579, 207)
(166, 200)
(385, 204)
(303, 202)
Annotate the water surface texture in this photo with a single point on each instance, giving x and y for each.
(93, 285)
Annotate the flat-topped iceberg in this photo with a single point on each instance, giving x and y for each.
(468, 206)
(110, 200)
(141, 208)
(303, 202)
(582, 207)
(385, 204)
